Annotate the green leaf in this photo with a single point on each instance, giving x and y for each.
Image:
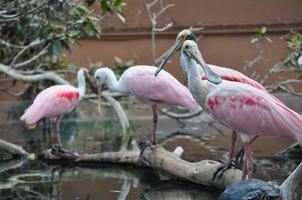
(261, 30)
(118, 3)
(56, 47)
(105, 5)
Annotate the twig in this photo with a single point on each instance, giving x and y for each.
(42, 52)
(285, 86)
(11, 45)
(153, 16)
(7, 18)
(30, 45)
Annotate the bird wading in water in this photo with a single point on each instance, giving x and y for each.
(140, 82)
(225, 74)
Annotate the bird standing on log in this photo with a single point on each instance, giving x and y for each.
(140, 82)
(240, 107)
(224, 73)
(55, 102)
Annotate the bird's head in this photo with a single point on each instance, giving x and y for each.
(182, 36)
(101, 77)
(191, 51)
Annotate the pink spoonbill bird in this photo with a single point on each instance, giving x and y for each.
(242, 108)
(55, 102)
(140, 82)
(224, 73)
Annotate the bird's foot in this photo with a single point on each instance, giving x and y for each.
(239, 157)
(59, 149)
(143, 145)
(50, 154)
(223, 168)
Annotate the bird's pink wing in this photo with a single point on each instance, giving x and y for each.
(234, 76)
(252, 111)
(161, 89)
(51, 102)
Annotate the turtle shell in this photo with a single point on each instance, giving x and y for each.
(249, 190)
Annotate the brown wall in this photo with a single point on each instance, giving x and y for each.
(227, 30)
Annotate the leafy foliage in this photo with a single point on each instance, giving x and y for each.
(294, 41)
(55, 25)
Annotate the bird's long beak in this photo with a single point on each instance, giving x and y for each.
(99, 86)
(212, 77)
(173, 49)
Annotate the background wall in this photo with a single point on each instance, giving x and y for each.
(227, 30)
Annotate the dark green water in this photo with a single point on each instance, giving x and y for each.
(84, 131)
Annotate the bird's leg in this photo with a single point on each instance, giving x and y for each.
(240, 153)
(50, 142)
(155, 120)
(58, 123)
(148, 143)
(60, 146)
(228, 164)
(248, 163)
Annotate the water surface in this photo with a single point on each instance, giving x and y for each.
(83, 131)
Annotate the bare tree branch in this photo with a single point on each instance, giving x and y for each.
(30, 45)
(7, 18)
(42, 52)
(153, 16)
(3, 42)
(15, 74)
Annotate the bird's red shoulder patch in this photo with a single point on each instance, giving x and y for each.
(71, 96)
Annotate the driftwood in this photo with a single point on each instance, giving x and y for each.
(158, 158)
(198, 172)
(12, 149)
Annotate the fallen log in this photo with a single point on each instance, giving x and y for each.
(168, 163)
(198, 172)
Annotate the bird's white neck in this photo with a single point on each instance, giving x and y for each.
(111, 81)
(199, 88)
(81, 82)
(183, 64)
